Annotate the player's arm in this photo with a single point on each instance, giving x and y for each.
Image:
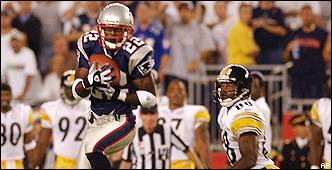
(248, 144)
(315, 145)
(141, 77)
(146, 89)
(42, 143)
(246, 127)
(85, 76)
(30, 147)
(81, 74)
(202, 141)
(178, 143)
(29, 141)
(193, 157)
(202, 136)
(44, 136)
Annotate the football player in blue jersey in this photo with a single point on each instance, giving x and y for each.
(112, 122)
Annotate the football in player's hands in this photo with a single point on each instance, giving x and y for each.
(103, 62)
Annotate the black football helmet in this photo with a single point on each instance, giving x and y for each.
(238, 75)
(67, 80)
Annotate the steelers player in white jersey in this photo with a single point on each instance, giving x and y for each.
(64, 120)
(257, 94)
(321, 131)
(16, 132)
(191, 122)
(240, 120)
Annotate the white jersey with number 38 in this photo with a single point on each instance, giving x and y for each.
(242, 117)
(68, 124)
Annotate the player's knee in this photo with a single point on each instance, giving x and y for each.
(98, 160)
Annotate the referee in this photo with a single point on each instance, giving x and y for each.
(152, 144)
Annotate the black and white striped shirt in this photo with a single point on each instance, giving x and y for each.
(153, 151)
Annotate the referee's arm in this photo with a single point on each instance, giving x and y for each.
(126, 161)
(177, 142)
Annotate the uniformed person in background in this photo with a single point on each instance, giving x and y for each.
(294, 152)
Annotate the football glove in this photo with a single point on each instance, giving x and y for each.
(98, 77)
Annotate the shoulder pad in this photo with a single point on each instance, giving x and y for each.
(86, 41)
(244, 106)
(138, 54)
(22, 108)
(51, 105)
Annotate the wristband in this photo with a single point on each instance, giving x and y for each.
(73, 88)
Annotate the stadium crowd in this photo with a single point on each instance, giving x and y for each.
(181, 34)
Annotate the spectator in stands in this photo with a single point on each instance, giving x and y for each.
(269, 32)
(170, 15)
(20, 67)
(294, 153)
(84, 22)
(200, 12)
(67, 11)
(7, 6)
(242, 48)
(325, 14)
(221, 29)
(156, 9)
(257, 94)
(28, 23)
(151, 31)
(291, 11)
(51, 86)
(305, 50)
(61, 46)
(7, 32)
(47, 12)
(189, 46)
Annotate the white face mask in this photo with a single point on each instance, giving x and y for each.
(114, 45)
(229, 102)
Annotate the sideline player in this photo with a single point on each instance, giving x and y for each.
(321, 131)
(190, 122)
(16, 132)
(257, 94)
(113, 124)
(64, 120)
(240, 120)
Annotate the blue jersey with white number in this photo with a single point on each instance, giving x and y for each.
(135, 60)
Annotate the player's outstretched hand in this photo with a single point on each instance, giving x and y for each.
(98, 77)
